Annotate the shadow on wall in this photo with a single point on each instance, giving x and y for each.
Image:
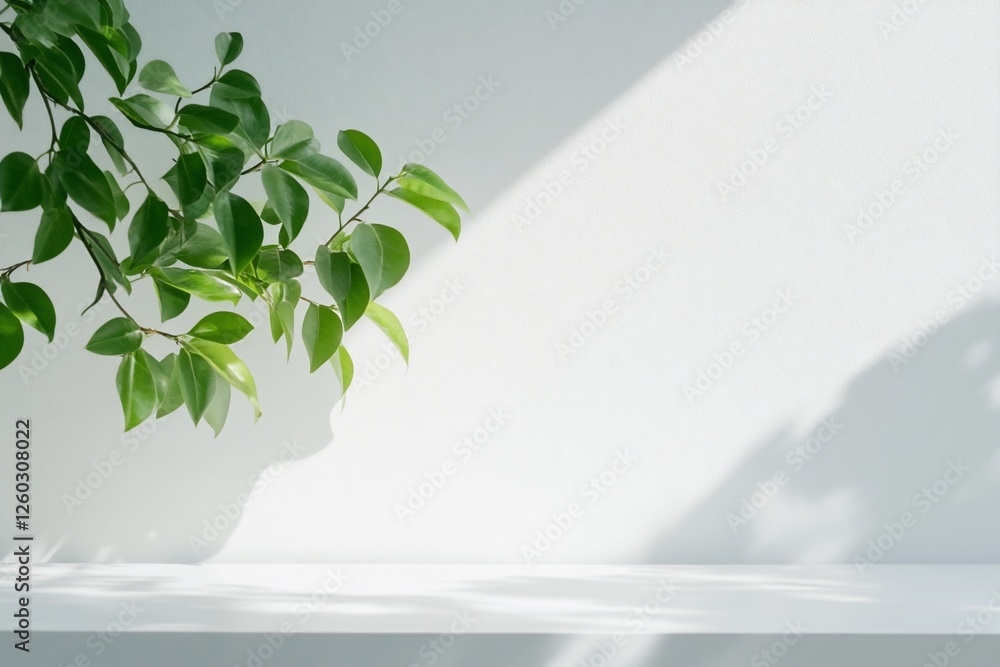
(556, 75)
(903, 471)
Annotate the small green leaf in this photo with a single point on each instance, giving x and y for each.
(188, 178)
(343, 366)
(206, 119)
(361, 150)
(205, 249)
(294, 140)
(228, 46)
(345, 281)
(168, 386)
(118, 336)
(136, 390)
(425, 182)
(229, 366)
(144, 111)
(122, 204)
(282, 318)
(14, 86)
(197, 380)
(385, 320)
(382, 253)
(55, 233)
(75, 135)
(324, 173)
(148, 229)
(31, 305)
(218, 407)
(236, 85)
(201, 284)
(173, 301)
(276, 265)
(440, 211)
(20, 183)
(322, 332)
(238, 93)
(222, 327)
(241, 229)
(159, 77)
(11, 336)
(288, 198)
(112, 142)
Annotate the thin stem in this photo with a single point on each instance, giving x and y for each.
(14, 267)
(48, 109)
(256, 167)
(357, 216)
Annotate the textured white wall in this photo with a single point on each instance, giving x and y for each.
(618, 340)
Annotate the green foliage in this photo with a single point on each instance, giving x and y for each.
(189, 233)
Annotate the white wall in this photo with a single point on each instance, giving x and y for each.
(665, 130)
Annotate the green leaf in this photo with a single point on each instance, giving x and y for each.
(11, 336)
(282, 318)
(218, 407)
(236, 85)
(14, 86)
(87, 186)
(197, 379)
(116, 141)
(144, 111)
(343, 366)
(201, 284)
(423, 181)
(122, 204)
(275, 265)
(345, 281)
(58, 74)
(255, 121)
(136, 390)
(225, 160)
(385, 320)
(20, 183)
(382, 253)
(159, 77)
(288, 199)
(148, 229)
(206, 119)
(361, 150)
(118, 336)
(55, 233)
(222, 327)
(105, 255)
(173, 301)
(110, 48)
(241, 229)
(294, 140)
(324, 173)
(75, 135)
(229, 366)
(441, 212)
(205, 249)
(336, 202)
(322, 332)
(168, 386)
(31, 305)
(188, 178)
(228, 46)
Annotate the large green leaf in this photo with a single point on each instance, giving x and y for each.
(382, 253)
(345, 281)
(148, 229)
(168, 386)
(205, 249)
(255, 120)
(87, 186)
(225, 160)
(197, 283)
(361, 150)
(55, 233)
(31, 305)
(228, 46)
(136, 390)
(197, 380)
(206, 119)
(110, 47)
(288, 199)
(14, 85)
(75, 135)
(58, 74)
(118, 336)
(11, 336)
(20, 183)
(385, 320)
(294, 140)
(159, 77)
(440, 211)
(229, 366)
(241, 229)
(145, 111)
(188, 178)
(324, 173)
(275, 265)
(418, 178)
(173, 300)
(322, 332)
(222, 327)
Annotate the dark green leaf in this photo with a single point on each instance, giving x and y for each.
(228, 46)
(87, 186)
(107, 45)
(58, 74)
(345, 281)
(173, 300)
(197, 379)
(168, 386)
(144, 111)
(383, 254)
(222, 327)
(136, 390)
(440, 211)
(225, 160)
(31, 305)
(14, 85)
(112, 139)
(11, 336)
(148, 229)
(75, 135)
(122, 204)
(206, 119)
(241, 229)
(361, 150)
(118, 336)
(205, 249)
(322, 332)
(55, 232)
(20, 183)
(288, 198)
(275, 265)
(188, 178)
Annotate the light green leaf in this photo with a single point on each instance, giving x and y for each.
(361, 150)
(345, 281)
(385, 320)
(275, 265)
(228, 46)
(205, 249)
(201, 284)
(294, 140)
(136, 390)
(324, 173)
(343, 366)
(382, 253)
(168, 384)
(439, 211)
(218, 407)
(11, 336)
(322, 332)
(118, 336)
(173, 301)
(241, 229)
(288, 198)
(418, 178)
(197, 380)
(20, 183)
(159, 77)
(229, 366)
(222, 327)
(31, 305)
(144, 111)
